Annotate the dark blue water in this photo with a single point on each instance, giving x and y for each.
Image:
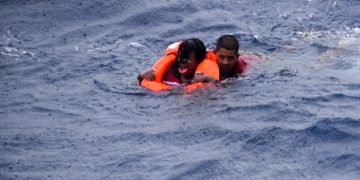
(71, 108)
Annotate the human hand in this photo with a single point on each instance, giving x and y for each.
(148, 74)
(201, 77)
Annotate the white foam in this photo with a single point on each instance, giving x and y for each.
(118, 41)
(137, 45)
(6, 54)
(10, 51)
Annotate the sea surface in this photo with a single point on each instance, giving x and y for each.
(71, 107)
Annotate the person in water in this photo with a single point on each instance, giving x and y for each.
(227, 57)
(189, 55)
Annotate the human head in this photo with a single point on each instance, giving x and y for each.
(227, 48)
(228, 42)
(191, 52)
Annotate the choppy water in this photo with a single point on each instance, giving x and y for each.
(71, 108)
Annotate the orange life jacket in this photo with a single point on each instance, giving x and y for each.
(207, 67)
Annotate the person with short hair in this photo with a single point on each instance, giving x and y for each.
(226, 54)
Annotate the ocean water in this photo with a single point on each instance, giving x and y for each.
(71, 107)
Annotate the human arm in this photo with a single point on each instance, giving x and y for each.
(207, 72)
(201, 77)
(148, 75)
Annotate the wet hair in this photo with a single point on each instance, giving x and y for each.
(228, 42)
(190, 45)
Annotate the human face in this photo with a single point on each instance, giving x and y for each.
(226, 59)
(187, 64)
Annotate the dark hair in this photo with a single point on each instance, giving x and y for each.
(228, 42)
(190, 45)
